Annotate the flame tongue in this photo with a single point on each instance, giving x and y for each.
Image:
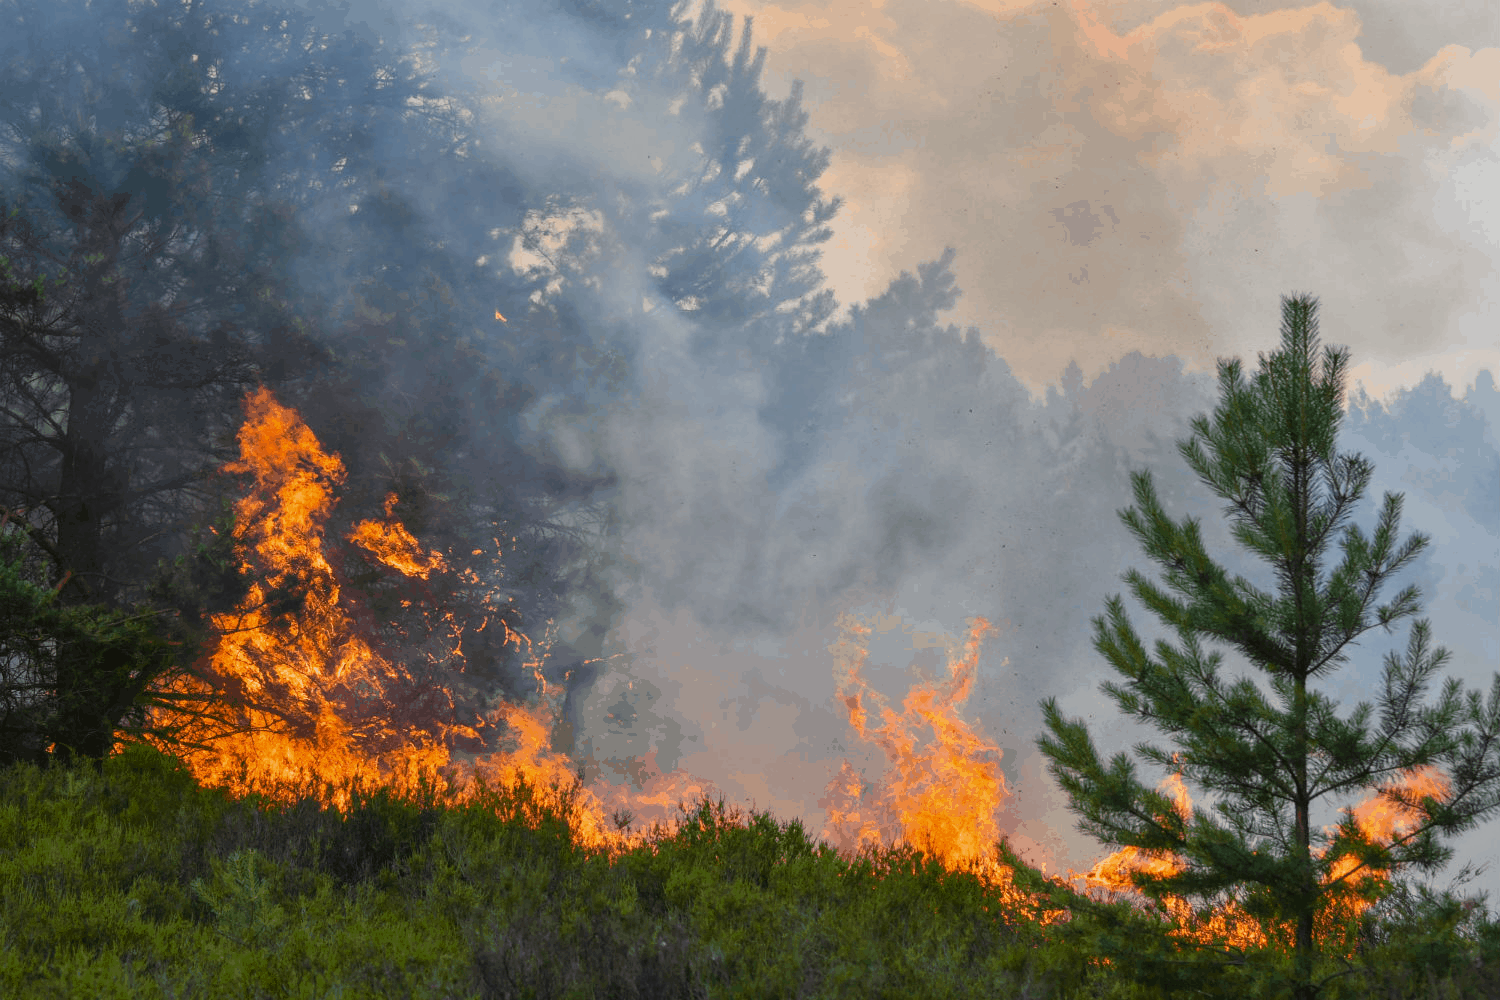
(309, 695)
(394, 546)
(314, 686)
(945, 797)
(1383, 820)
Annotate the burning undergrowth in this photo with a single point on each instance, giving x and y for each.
(322, 688)
(313, 689)
(944, 797)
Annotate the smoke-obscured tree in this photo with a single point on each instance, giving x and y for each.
(1272, 751)
(123, 659)
(124, 654)
(712, 232)
(489, 313)
(1428, 420)
(144, 246)
(146, 241)
(222, 194)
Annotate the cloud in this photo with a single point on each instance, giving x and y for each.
(1118, 176)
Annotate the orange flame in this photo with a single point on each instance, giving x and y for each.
(1113, 872)
(1383, 820)
(310, 695)
(1379, 818)
(945, 797)
(313, 687)
(394, 546)
(1112, 876)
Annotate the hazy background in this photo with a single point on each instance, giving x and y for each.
(1129, 187)
(1134, 174)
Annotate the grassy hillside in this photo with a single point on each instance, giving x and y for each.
(134, 882)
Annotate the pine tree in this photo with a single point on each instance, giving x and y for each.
(1272, 755)
(203, 197)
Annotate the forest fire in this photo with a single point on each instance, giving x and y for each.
(1112, 876)
(1379, 818)
(944, 798)
(318, 699)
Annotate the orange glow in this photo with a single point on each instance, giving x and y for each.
(944, 798)
(308, 693)
(499, 317)
(1111, 876)
(1380, 819)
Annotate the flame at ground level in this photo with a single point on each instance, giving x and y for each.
(947, 797)
(1379, 818)
(311, 696)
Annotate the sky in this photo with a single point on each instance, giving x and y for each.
(1147, 175)
(1127, 186)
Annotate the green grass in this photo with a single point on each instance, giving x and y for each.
(132, 881)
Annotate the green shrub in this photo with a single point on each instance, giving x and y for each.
(133, 881)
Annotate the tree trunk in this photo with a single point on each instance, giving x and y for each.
(1303, 952)
(1303, 945)
(87, 493)
(83, 728)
